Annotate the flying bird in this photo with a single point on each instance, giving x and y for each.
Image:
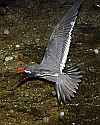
(55, 57)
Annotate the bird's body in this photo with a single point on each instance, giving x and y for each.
(53, 63)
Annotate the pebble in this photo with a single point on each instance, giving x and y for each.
(37, 40)
(96, 51)
(69, 60)
(98, 5)
(11, 111)
(9, 123)
(90, 49)
(8, 58)
(17, 46)
(34, 29)
(73, 123)
(62, 115)
(54, 93)
(6, 32)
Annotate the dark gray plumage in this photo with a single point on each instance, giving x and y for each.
(55, 58)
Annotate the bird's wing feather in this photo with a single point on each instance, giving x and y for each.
(58, 47)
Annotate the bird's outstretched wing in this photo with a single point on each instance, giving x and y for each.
(58, 47)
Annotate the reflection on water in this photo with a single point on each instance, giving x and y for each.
(23, 38)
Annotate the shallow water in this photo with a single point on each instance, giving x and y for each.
(24, 33)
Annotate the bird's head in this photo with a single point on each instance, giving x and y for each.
(25, 70)
(27, 75)
(22, 70)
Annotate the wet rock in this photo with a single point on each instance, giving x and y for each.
(11, 111)
(73, 123)
(37, 40)
(97, 4)
(6, 32)
(54, 93)
(17, 46)
(96, 51)
(8, 58)
(61, 115)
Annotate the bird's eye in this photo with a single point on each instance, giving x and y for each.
(28, 71)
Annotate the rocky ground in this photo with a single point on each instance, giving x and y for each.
(24, 32)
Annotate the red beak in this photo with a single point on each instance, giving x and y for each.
(20, 70)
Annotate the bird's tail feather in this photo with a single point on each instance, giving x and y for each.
(66, 84)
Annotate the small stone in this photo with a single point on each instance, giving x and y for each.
(42, 103)
(9, 123)
(7, 114)
(98, 5)
(90, 49)
(26, 94)
(11, 111)
(37, 40)
(54, 93)
(8, 58)
(6, 32)
(15, 105)
(33, 62)
(34, 29)
(73, 123)
(62, 115)
(96, 51)
(17, 46)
